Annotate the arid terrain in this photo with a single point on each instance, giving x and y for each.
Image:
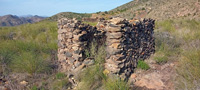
(29, 48)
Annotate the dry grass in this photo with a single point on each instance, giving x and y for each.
(179, 39)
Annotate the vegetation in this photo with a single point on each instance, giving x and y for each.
(91, 23)
(179, 41)
(143, 65)
(116, 84)
(60, 75)
(161, 59)
(70, 15)
(31, 48)
(28, 48)
(188, 70)
(94, 77)
(60, 84)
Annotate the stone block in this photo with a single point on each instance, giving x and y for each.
(111, 67)
(117, 21)
(68, 54)
(113, 51)
(113, 28)
(116, 45)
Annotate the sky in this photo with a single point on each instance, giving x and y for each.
(52, 7)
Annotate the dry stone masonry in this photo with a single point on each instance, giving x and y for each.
(73, 38)
(126, 43)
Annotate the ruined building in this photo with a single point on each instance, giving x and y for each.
(125, 43)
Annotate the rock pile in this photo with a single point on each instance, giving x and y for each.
(126, 43)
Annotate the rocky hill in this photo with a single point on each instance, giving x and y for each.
(28, 53)
(13, 20)
(71, 15)
(159, 9)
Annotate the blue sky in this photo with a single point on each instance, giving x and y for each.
(51, 7)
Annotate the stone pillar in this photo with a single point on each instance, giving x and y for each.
(73, 38)
(116, 56)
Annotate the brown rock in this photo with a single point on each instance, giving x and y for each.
(114, 35)
(113, 28)
(83, 32)
(113, 40)
(62, 31)
(117, 21)
(113, 51)
(24, 83)
(79, 68)
(69, 35)
(115, 45)
(133, 76)
(111, 67)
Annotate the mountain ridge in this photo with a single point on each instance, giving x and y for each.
(13, 20)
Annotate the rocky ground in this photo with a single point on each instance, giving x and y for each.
(158, 77)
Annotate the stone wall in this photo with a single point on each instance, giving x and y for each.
(126, 43)
(73, 39)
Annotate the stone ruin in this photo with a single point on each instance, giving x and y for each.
(126, 43)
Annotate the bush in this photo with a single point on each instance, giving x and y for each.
(5, 58)
(60, 75)
(29, 62)
(167, 46)
(63, 84)
(93, 76)
(161, 59)
(143, 65)
(188, 73)
(91, 23)
(166, 25)
(32, 46)
(36, 88)
(116, 84)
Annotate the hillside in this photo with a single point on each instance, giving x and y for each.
(13, 20)
(159, 9)
(28, 52)
(71, 15)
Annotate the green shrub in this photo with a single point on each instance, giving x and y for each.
(34, 88)
(91, 23)
(143, 65)
(93, 76)
(32, 44)
(60, 84)
(116, 84)
(29, 62)
(60, 75)
(166, 46)
(166, 25)
(161, 59)
(101, 54)
(93, 49)
(188, 73)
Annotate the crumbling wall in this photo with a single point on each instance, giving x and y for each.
(126, 43)
(73, 38)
